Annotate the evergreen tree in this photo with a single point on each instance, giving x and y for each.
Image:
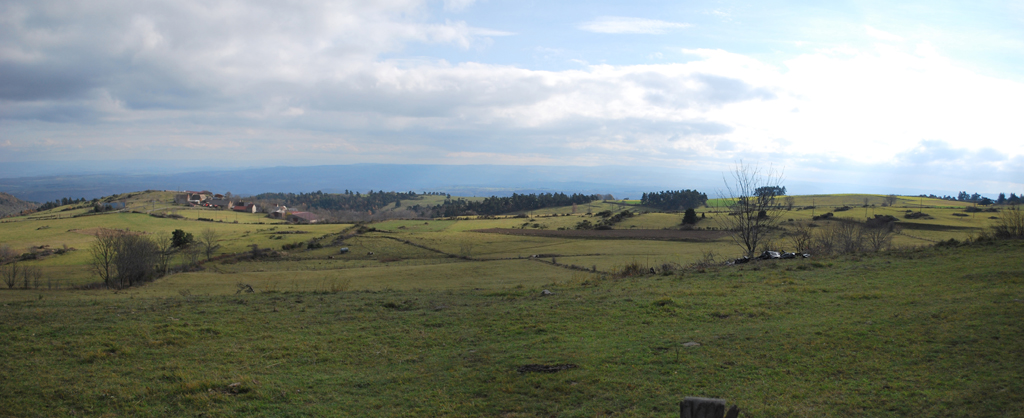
(690, 217)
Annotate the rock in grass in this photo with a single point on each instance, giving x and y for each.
(691, 344)
(546, 292)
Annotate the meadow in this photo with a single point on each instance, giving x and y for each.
(432, 317)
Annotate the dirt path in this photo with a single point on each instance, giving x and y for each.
(650, 234)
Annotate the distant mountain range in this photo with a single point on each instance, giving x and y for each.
(459, 180)
(89, 181)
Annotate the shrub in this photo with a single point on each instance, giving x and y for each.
(1010, 223)
(584, 224)
(633, 268)
(181, 239)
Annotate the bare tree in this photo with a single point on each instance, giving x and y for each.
(165, 250)
(889, 200)
(826, 240)
(879, 237)
(755, 212)
(10, 273)
(104, 252)
(30, 277)
(136, 256)
(843, 236)
(850, 236)
(190, 256)
(801, 238)
(122, 258)
(208, 238)
(7, 254)
(790, 202)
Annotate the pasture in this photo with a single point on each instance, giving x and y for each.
(436, 317)
(413, 242)
(920, 332)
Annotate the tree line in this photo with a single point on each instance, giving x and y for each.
(349, 200)
(498, 205)
(977, 198)
(675, 199)
(60, 202)
(372, 202)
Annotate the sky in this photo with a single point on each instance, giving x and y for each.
(923, 94)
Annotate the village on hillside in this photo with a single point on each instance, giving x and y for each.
(225, 201)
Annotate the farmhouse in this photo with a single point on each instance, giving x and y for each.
(192, 197)
(251, 208)
(302, 217)
(278, 212)
(220, 203)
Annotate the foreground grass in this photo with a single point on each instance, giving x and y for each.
(927, 332)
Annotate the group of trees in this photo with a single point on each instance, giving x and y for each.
(770, 191)
(755, 217)
(1012, 200)
(347, 201)
(756, 214)
(674, 199)
(60, 202)
(352, 203)
(498, 205)
(13, 274)
(842, 236)
(608, 220)
(977, 198)
(126, 258)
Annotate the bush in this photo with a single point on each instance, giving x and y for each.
(181, 239)
(584, 224)
(633, 268)
(1010, 223)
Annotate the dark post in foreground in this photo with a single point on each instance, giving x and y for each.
(693, 407)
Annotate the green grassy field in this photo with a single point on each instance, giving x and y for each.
(926, 332)
(431, 317)
(453, 237)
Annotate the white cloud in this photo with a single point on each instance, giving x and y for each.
(457, 5)
(632, 25)
(194, 73)
(882, 35)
